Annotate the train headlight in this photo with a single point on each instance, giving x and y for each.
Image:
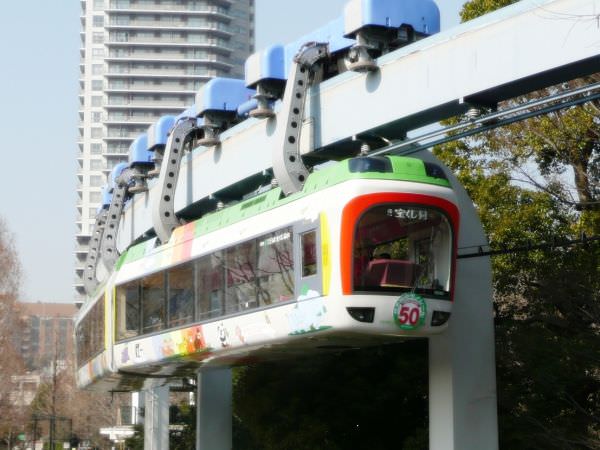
(362, 314)
(439, 318)
(435, 171)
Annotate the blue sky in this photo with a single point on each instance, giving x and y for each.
(39, 46)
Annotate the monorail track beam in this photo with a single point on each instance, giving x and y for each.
(485, 61)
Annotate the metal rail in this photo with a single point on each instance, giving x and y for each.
(492, 121)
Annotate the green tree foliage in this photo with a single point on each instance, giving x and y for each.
(374, 398)
(476, 8)
(182, 435)
(136, 442)
(539, 181)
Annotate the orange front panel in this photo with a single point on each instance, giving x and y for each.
(358, 206)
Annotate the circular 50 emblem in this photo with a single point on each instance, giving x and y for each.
(410, 311)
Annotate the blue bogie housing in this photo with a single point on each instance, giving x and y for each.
(139, 154)
(106, 199)
(266, 65)
(331, 33)
(106, 196)
(158, 132)
(273, 63)
(221, 95)
(422, 15)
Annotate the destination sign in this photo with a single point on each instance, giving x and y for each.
(274, 239)
(408, 213)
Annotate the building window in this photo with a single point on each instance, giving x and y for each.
(98, 21)
(96, 164)
(97, 69)
(98, 5)
(96, 149)
(98, 38)
(97, 53)
(96, 100)
(96, 85)
(96, 117)
(96, 132)
(96, 181)
(95, 197)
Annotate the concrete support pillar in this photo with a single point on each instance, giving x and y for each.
(462, 364)
(214, 410)
(156, 419)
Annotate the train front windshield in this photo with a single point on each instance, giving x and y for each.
(400, 248)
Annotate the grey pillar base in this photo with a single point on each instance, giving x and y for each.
(156, 418)
(462, 368)
(214, 410)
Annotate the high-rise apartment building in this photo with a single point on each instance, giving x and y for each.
(141, 59)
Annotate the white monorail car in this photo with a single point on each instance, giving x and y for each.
(365, 253)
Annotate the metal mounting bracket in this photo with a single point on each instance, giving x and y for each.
(108, 248)
(90, 281)
(288, 167)
(164, 219)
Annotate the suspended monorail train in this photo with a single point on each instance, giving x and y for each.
(363, 254)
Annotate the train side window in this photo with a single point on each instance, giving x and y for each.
(90, 333)
(240, 269)
(128, 310)
(181, 295)
(308, 243)
(80, 342)
(209, 273)
(97, 340)
(275, 270)
(153, 303)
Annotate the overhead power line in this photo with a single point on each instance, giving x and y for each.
(495, 119)
(529, 246)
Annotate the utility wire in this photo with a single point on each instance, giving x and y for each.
(493, 120)
(529, 246)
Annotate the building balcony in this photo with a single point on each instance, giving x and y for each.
(141, 89)
(215, 29)
(188, 18)
(83, 238)
(169, 57)
(148, 104)
(121, 136)
(125, 6)
(178, 74)
(163, 43)
(79, 249)
(114, 151)
(130, 120)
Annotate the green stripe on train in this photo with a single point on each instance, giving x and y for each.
(404, 169)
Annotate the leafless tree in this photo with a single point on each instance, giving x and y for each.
(11, 363)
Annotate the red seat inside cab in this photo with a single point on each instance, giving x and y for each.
(390, 273)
